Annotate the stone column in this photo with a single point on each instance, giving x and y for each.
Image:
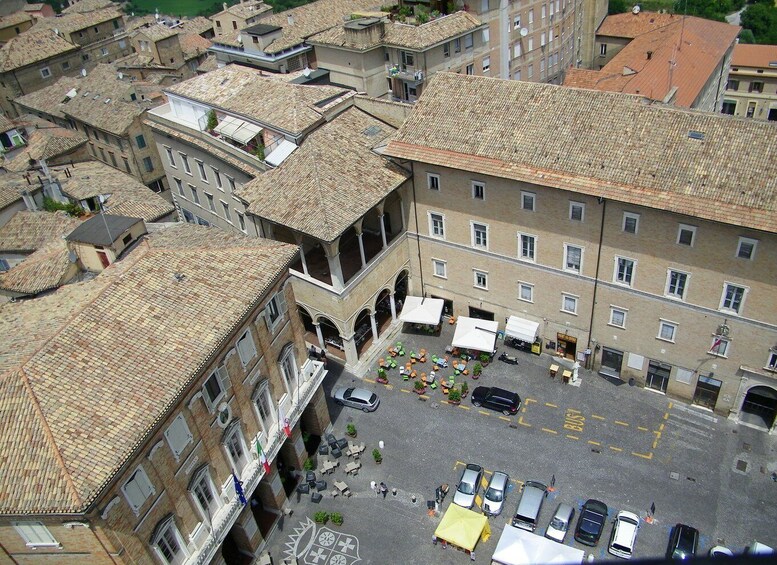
(316, 414)
(393, 307)
(333, 258)
(351, 355)
(374, 327)
(359, 232)
(319, 335)
(299, 240)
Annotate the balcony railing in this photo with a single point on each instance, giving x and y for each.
(310, 378)
(407, 73)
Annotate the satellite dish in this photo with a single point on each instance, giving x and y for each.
(524, 32)
(635, 10)
(306, 72)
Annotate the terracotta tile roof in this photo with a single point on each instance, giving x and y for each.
(97, 347)
(87, 6)
(313, 18)
(53, 142)
(11, 187)
(629, 25)
(582, 78)
(47, 268)
(32, 46)
(405, 35)
(127, 196)
(72, 22)
(193, 45)
(138, 22)
(687, 67)
(6, 124)
(197, 25)
(156, 32)
(745, 55)
(633, 151)
(331, 181)
(287, 107)
(49, 99)
(28, 231)
(245, 10)
(14, 19)
(208, 65)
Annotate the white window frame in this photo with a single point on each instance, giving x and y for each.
(185, 161)
(723, 307)
(630, 216)
(178, 435)
(667, 325)
(683, 228)
(35, 534)
(566, 267)
(667, 289)
(517, 21)
(444, 268)
(45, 72)
(576, 205)
(631, 274)
(533, 257)
(574, 298)
(235, 431)
(246, 349)
(771, 361)
(201, 171)
(532, 196)
(170, 526)
(275, 311)
(262, 395)
(623, 312)
(529, 288)
(478, 186)
(486, 64)
(433, 181)
(241, 219)
(170, 157)
(219, 376)
(211, 203)
(287, 363)
(725, 345)
(477, 233)
(432, 216)
(140, 485)
(227, 214)
(195, 195)
(179, 184)
(217, 176)
(199, 479)
(746, 241)
(476, 274)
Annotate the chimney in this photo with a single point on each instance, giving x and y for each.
(649, 55)
(224, 5)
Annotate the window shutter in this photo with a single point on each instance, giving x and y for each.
(223, 378)
(35, 533)
(281, 302)
(178, 435)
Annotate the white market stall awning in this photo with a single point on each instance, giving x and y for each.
(417, 310)
(519, 547)
(279, 154)
(474, 333)
(522, 329)
(236, 129)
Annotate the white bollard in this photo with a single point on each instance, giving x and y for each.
(380, 444)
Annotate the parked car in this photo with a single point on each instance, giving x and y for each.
(624, 534)
(559, 524)
(497, 399)
(354, 397)
(468, 486)
(494, 497)
(591, 522)
(528, 513)
(683, 541)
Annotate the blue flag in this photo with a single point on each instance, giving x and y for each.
(239, 489)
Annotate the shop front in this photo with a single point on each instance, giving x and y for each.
(612, 361)
(523, 334)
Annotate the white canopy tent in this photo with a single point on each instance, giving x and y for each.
(522, 329)
(237, 129)
(519, 547)
(474, 333)
(417, 310)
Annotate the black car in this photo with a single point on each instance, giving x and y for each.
(497, 399)
(683, 542)
(591, 522)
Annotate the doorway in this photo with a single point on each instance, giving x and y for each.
(447, 306)
(567, 346)
(707, 390)
(759, 407)
(612, 360)
(658, 376)
(480, 314)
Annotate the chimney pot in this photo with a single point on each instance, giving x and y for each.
(649, 55)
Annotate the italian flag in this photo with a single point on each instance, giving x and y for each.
(262, 457)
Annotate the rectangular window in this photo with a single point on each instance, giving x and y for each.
(528, 200)
(170, 157)
(217, 176)
(65, 65)
(666, 330)
(274, 311)
(140, 141)
(719, 346)
(517, 21)
(408, 59)
(569, 303)
(528, 246)
(531, 16)
(771, 364)
(211, 202)
(185, 161)
(468, 43)
(126, 165)
(478, 190)
(481, 280)
(457, 45)
(201, 170)
(113, 158)
(543, 11)
(433, 181)
(576, 211)
(624, 270)
(480, 235)
(686, 235)
(630, 222)
(195, 195)
(732, 84)
(227, 215)
(733, 298)
(486, 64)
(137, 489)
(603, 50)
(102, 153)
(45, 72)
(436, 225)
(729, 107)
(526, 292)
(148, 164)
(573, 258)
(542, 39)
(241, 221)
(440, 268)
(486, 36)
(35, 534)
(618, 317)
(470, 70)
(756, 86)
(446, 49)
(530, 45)
(530, 71)
(676, 282)
(517, 50)
(178, 435)
(231, 182)
(746, 248)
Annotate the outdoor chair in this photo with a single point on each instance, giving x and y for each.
(310, 478)
(316, 497)
(323, 449)
(320, 485)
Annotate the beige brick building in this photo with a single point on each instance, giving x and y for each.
(238, 16)
(221, 368)
(634, 234)
(751, 90)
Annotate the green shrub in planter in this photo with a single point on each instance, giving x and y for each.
(419, 385)
(464, 389)
(484, 357)
(477, 369)
(321, 517)
(336, 518)
(454, 395)
(350, 429)
(377, 455)
(308, 465)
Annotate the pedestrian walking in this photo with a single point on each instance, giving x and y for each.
(383, 489)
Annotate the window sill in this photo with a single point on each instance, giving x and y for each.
(665, 340)
(441, 277)
(525, 300)
(616, 326)
(674, 297)
(568, 312)
(722, 356)
(480, 287)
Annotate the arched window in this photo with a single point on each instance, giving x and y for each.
(204, 493)
(266, 411)
(168, 543)
(288, 365)
(235, 446)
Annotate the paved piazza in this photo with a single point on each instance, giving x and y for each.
(626, 446)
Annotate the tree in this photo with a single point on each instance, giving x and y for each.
(617, 7)
(761, 19)
(709, 9)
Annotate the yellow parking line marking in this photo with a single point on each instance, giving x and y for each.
(666, 415)
(520, 421)
(487, 472)
(478, 500)
(655, 443)
(661, 428)
(505, 418)
(670, 405)
(484, 412)
(597, 417)
(642, 429)
(615, 448)
(464, 407)
(529, 400)
(643, 455)
(549, 431)
(594, 442)
(457, 464)
(404, 390)
(621, 423)
(570, 436)
(425, 397)
(369, 380)
(657, 434)
(573, 411)
(523, 410)
(484, 482)
(548, 404)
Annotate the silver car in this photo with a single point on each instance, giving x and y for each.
(354, 397)
(559, 524)
(468, 486)
(494, 497)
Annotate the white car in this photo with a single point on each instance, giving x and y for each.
(468, 486)
(624, 534)
(494, 497)
(559, 524)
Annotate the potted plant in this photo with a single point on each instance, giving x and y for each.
(337, 518)
(308, 465)
(321, 517)
(420, 387)
(350, 430)
(377, 456)
(454, 396)
(464, 389)
(485, 358)
(212, 121)
(476, 370)
(382, 376)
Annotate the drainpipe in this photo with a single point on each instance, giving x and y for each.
(603, 202)
(417, 228)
